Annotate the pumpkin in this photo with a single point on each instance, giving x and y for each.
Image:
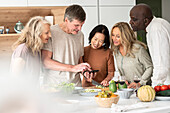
(146, 93)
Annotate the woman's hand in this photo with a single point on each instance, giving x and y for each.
(105, 83)
(127, 83)
(134, 85)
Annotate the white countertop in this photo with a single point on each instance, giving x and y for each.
(87, 104)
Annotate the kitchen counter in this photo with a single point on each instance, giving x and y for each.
(87, 104)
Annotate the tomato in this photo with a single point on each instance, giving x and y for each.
(164, 87)
(157, 88)
(169, 86)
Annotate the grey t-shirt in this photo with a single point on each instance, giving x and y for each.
(66, 49)
(140, 66)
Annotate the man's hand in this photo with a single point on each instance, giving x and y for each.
(81, 67)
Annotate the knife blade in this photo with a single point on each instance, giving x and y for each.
(96, 83)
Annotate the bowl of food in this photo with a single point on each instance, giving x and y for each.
(106, 99)
(125, 93)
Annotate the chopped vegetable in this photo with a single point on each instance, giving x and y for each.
(66, 87)
(105, 94)
(100, 86)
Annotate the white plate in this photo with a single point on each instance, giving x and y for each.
(84, 93)
(77, 89)
(162, 98)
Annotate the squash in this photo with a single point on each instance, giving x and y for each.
(146, 93)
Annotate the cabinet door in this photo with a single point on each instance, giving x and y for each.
(85, 2)
(117, 2)
(11, 3)
(90, 23)
(49, 2)
(111, 15)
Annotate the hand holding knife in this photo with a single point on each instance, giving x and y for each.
(92, 75)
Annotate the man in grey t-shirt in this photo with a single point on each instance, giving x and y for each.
(62, 53)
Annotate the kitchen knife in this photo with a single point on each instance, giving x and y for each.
(96, 83)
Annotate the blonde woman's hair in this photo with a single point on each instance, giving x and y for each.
(31, 34)
(128, 39)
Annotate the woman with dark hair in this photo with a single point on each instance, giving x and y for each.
(99, 56)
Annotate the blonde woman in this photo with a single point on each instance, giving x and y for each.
(25, 59)
(131, 55)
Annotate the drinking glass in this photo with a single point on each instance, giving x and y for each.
(122, 80)
(117, 79)
(136, 80)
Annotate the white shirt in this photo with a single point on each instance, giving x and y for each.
(158, 40)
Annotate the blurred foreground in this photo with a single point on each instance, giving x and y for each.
(21, 95)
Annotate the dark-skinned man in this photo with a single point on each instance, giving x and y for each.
(158, 40)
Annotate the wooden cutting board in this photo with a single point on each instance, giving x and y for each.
(94, 87)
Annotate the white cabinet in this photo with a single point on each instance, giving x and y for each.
(113, 11)
(85, 2)
(61, 2)
(49, 2)
(116, 2)
(111, 15)
(13, 3)
(90, 23)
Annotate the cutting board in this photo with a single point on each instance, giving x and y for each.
(94, 87)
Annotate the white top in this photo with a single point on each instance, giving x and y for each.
(158, 40)
(67, 49)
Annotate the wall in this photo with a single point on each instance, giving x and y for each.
(23, 14)
(166, 9)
